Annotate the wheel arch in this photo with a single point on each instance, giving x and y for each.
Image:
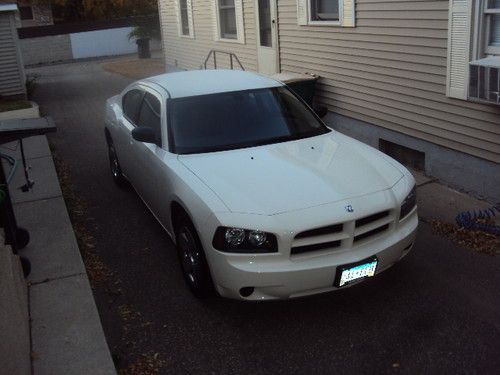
(177, 212)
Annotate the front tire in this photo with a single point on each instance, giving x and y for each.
(114, 166)
(192, 258)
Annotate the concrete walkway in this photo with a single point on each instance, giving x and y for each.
(66, 332)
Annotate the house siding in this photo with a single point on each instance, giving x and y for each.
(11, 68)
(190, 53)
(390, 71)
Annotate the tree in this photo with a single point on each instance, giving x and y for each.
(72, 10)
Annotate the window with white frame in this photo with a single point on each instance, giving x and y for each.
(228, 18)
(185, 18)
(326, 12)
(492, 27)
(474, 51)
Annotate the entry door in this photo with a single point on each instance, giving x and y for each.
(267, 36)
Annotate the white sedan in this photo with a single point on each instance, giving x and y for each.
(261, 198)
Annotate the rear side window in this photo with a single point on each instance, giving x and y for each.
(150, 114)
(131, 104)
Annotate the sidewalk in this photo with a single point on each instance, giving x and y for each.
(439, 202)
(66, 332)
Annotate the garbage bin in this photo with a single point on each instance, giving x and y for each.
(143, 48)
(302, 84)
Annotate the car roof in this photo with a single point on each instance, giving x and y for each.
(204, 82)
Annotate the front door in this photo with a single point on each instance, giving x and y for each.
(267, 37)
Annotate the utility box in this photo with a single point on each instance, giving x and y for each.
(303, 84)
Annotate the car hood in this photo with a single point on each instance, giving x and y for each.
(295, 175)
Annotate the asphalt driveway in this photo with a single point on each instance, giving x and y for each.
(438, 311)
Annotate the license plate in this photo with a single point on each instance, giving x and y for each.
(351, 272)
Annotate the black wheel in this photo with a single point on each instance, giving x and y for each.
(114, 166)
(192, 258)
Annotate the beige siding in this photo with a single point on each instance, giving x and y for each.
(11, 70)
(189, 53)
(390, 71)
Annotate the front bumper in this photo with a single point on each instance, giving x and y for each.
(277, 277)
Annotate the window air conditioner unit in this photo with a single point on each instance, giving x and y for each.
(484, 80)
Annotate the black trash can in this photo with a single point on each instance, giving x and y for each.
(143, 48)
(302, 84)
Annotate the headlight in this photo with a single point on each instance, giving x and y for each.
(237, 240)
(409, 203)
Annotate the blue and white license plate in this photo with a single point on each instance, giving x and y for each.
(352, 272)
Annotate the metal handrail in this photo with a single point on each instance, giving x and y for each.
(232, 57)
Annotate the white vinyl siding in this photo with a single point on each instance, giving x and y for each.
(391, 71)
(190, 53)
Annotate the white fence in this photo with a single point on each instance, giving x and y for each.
(87, 44)
(109, 42)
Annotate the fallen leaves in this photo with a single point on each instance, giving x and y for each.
(135, 328)
(97, 271)
(476, 240)
(137, 69)
(146, 364)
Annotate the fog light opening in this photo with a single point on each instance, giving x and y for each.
(247, 291)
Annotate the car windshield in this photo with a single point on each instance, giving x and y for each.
(240, 119)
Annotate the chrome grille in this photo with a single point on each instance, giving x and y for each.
(320, 231)
(344, 235)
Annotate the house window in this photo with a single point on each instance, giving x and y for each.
(185, 18)
(227, 19)
(492, 26)
(474, 51)
(26, 13)
(324, 10)
(326, 13)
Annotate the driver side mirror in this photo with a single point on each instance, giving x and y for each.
(145, 135)
(321, 111)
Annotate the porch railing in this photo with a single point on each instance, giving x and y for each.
(213, 54)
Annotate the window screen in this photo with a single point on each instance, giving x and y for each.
(324, 10)
(227, 19)
(184, 17)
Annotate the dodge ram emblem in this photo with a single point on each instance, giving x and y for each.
(349, 208)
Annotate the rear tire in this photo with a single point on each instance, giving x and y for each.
(114, 166)
(194, 265)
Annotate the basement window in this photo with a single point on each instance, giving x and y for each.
(405, 155)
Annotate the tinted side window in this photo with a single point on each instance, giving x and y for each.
(131, 103)
(150, 114)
